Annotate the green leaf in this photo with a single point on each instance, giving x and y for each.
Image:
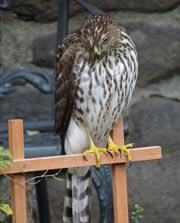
(137, 213)
(142, 209)
(137, 206)
(6, 209)
(5, 158)
(5, 153)
(133, 213)
(133, 217)
(5, 164)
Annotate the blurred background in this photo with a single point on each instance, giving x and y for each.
(28, 32)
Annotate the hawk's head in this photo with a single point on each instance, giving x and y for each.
(101, 34)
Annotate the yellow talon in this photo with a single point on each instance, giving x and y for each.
(120, 149)
(96, 150)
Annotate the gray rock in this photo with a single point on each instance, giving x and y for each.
(155, 184)
(37, 10)
(167, 88)
(133, 5)
(156, 37)
(15, 47)
(32, 205)
(46, 11)
(44, 50)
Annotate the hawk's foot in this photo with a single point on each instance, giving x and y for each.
(96, 150)
(113, 147)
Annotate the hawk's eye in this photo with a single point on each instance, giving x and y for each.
(105, 40)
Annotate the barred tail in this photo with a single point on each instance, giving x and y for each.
(77, 201)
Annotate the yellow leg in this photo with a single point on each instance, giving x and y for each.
(112, 147)
(96, 150)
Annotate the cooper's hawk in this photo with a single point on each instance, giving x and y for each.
(96, 74)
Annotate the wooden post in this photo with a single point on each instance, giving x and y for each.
(22, 165)
(18, 185)
(119, 181)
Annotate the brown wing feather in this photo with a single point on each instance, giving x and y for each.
(64, 85)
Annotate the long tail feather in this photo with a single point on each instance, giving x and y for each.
(77, 201)
(67, 212)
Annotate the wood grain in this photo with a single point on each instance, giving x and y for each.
(22, 165)
(57, 162)
(18, 185)
(119, 181)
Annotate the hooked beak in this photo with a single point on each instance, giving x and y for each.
(96, 50)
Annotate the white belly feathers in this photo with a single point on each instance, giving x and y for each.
(104, 91)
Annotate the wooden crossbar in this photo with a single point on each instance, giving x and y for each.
(57, 162)
(22, 165)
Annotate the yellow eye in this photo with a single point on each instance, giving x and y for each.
(106, 40)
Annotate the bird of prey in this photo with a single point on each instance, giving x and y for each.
(96, 74)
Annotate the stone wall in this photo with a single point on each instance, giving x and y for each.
(27, 40)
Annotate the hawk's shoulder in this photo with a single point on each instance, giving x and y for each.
(68, 41)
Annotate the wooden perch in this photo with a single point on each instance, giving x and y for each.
(22, 165)
(57, 162)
